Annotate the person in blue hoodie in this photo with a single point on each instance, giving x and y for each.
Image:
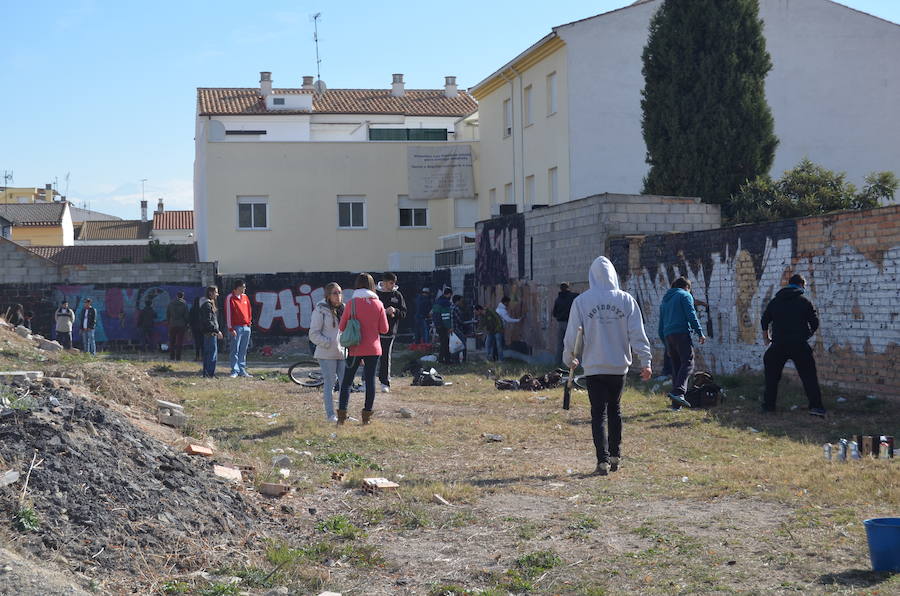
(613, 328)
(677, 319)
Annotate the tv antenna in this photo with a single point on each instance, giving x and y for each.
(7, 177)
(315, 19)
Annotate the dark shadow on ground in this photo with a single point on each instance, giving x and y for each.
(512, 480)
(270, 432)
(856, 578)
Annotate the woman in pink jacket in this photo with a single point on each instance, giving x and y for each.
(372, 323)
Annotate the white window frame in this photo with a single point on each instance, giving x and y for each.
(352, 199)
(507, 117)
(553, 185)
(404, 202)
(552, 95)
(530, 190)
(528, 105)
(252, 200)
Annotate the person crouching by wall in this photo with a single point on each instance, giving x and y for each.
(324, 332)
(368, 310)
(209, 324)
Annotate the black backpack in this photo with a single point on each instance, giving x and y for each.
(428, 378)
(702, 391)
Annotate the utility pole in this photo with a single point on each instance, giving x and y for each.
(315, 19)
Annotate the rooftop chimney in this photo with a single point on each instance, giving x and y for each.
(450, 87)
(265, 83)
(397, 87)
(48, 187)
(159, 206)
(308, 83)
(143, 210)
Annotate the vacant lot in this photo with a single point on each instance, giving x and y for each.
(722, 501)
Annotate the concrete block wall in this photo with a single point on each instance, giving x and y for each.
(21, 266)
(851, 261)
(201, 274)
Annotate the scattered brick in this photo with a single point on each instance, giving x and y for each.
(198, 450)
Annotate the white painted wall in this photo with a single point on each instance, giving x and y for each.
(68, 227)
(174, 236)
(834, 92)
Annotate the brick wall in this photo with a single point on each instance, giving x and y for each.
(851, 261)
(527, 256)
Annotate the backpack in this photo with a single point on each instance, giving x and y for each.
(351, 334)
(428, 378)
(702, 392)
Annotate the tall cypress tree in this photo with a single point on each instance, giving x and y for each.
(706, 122)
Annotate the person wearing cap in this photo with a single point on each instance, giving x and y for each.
(88, 326)
(423, 314)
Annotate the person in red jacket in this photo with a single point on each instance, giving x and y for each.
(367, 308)
(237, 319)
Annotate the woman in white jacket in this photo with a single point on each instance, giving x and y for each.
(324, 332)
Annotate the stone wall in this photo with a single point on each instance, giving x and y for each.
(527, 255)
(851, 261)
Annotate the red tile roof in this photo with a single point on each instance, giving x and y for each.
(128, 229)
(415, 102)
(109, 254)
(173, 220)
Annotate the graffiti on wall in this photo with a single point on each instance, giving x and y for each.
(500, 250)
(850, 262)
(118, 308)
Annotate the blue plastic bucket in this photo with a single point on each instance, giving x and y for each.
(884, 543)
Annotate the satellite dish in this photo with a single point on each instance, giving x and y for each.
(320, 87)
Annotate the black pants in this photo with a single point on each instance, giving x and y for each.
(198, 343)
(802, 356)
(370, 363)
(681, 352)
(384, 362)
(65, 339)
(444, 353)
(605, 393)
(176, 340)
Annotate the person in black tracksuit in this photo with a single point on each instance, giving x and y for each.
(794, 320)
(561, 308)
(395, 309)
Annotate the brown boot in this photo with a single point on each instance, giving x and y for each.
(342, 417)
(366, 416)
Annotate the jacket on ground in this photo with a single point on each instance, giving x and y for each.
(677, 314)
(324, 331)
(612, 325)
(793, 317)
(393, 298)
(372, 322)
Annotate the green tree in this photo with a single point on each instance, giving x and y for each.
(808, 189)
(157, 252)
(706, 123)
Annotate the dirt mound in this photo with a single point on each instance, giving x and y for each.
(110, 498)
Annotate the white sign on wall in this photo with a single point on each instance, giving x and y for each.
(440, 172)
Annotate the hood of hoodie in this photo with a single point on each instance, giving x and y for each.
(381, 288)
(672, 293)
(602, 275)
(364, 293)
(789, 293)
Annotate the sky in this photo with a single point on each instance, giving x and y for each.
(104, 91)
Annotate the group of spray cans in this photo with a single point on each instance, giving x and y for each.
(878, 447)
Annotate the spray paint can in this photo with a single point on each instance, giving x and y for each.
(827, 449)
(854, 450)
(842, 450)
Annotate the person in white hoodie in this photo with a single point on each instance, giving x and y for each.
(325, 334)
(613, 327)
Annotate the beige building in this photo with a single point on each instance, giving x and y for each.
(317, 179)
(523, 126)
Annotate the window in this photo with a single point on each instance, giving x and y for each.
(465, 212)
(277, 101)
(507, 117)
(552, 186)
(551, 93)
(529, 118)
(253, 213)
(413, 214)
(351, 211)
(529, 190)
(508, 196)
(407, 134)
(508, 209)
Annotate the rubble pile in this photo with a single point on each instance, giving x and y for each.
(108, 497)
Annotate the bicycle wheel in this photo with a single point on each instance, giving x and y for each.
(297, 375)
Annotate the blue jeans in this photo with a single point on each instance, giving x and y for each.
(331, 370)
(210, 355)
(88, 342)
(370, 364)
(239, 344)
(422, 330)
(493, 346)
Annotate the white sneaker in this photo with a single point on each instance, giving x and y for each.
(332, 419)
(233, 375)
(385, 388)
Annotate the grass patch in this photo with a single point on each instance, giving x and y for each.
(340, 526)
(347, 459)
(26, 519)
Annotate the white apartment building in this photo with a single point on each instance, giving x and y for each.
(317, 179)
(562, 120)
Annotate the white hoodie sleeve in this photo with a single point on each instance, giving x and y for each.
(316, 323)
(637, 337)
(575, 322)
